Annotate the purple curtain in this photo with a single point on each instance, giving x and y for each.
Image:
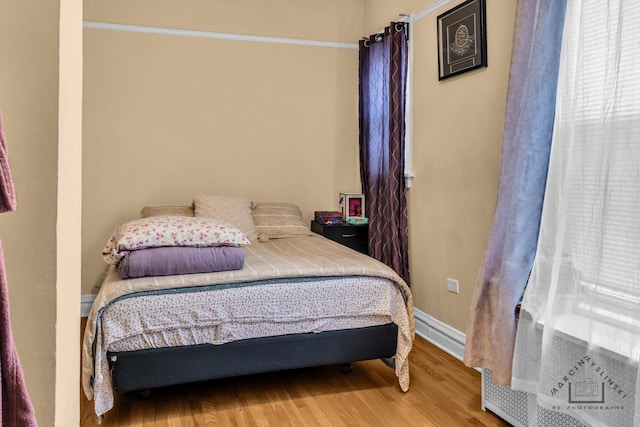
(16, 409)
(526, 144)
(383, 76)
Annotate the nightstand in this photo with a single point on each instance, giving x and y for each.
(351, 235)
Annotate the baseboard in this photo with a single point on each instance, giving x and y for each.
(443, 336)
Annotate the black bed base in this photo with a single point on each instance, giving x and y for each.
(153, 368)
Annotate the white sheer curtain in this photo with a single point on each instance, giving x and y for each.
(578, 339)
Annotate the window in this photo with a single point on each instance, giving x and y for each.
(598, 129)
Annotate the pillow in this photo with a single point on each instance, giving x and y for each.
(149, 211)
(236, 210)
(279, 220)
(162, 231)
(175, 260)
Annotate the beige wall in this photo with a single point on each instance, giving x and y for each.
(41, 46)
(168, 117)
(457, 137)
(279, 122)
(162, 95)
(330, 20)
(29, 107)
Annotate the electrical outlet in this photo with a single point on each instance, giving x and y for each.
(452, 285)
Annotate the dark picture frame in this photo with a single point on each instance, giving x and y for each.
(462, 39)
(352, 205)
(355, 206)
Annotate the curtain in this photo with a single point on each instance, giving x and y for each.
(511, 247)
(382, 86)
(16, 409)
(578, 340)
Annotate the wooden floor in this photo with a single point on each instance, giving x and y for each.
(443, 392)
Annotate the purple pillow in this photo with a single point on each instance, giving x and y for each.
(170, 260)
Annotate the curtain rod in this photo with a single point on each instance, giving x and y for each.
(407, 18)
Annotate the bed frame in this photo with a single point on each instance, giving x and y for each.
(143, 370)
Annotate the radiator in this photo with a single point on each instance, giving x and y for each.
(518, 408)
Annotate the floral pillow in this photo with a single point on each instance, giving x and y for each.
(162, 231)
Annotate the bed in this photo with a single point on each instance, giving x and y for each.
(298, 300)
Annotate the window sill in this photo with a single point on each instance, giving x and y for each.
(617, 342)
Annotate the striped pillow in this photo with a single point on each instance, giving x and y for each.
(236, 210)
(278, 220)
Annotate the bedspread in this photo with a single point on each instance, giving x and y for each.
(299, 257)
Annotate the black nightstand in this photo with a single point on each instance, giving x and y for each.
(353, 236)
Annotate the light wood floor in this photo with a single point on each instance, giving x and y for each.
(443, 392)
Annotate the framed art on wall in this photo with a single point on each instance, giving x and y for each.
(462, 39)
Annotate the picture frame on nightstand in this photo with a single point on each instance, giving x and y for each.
(352, 205)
